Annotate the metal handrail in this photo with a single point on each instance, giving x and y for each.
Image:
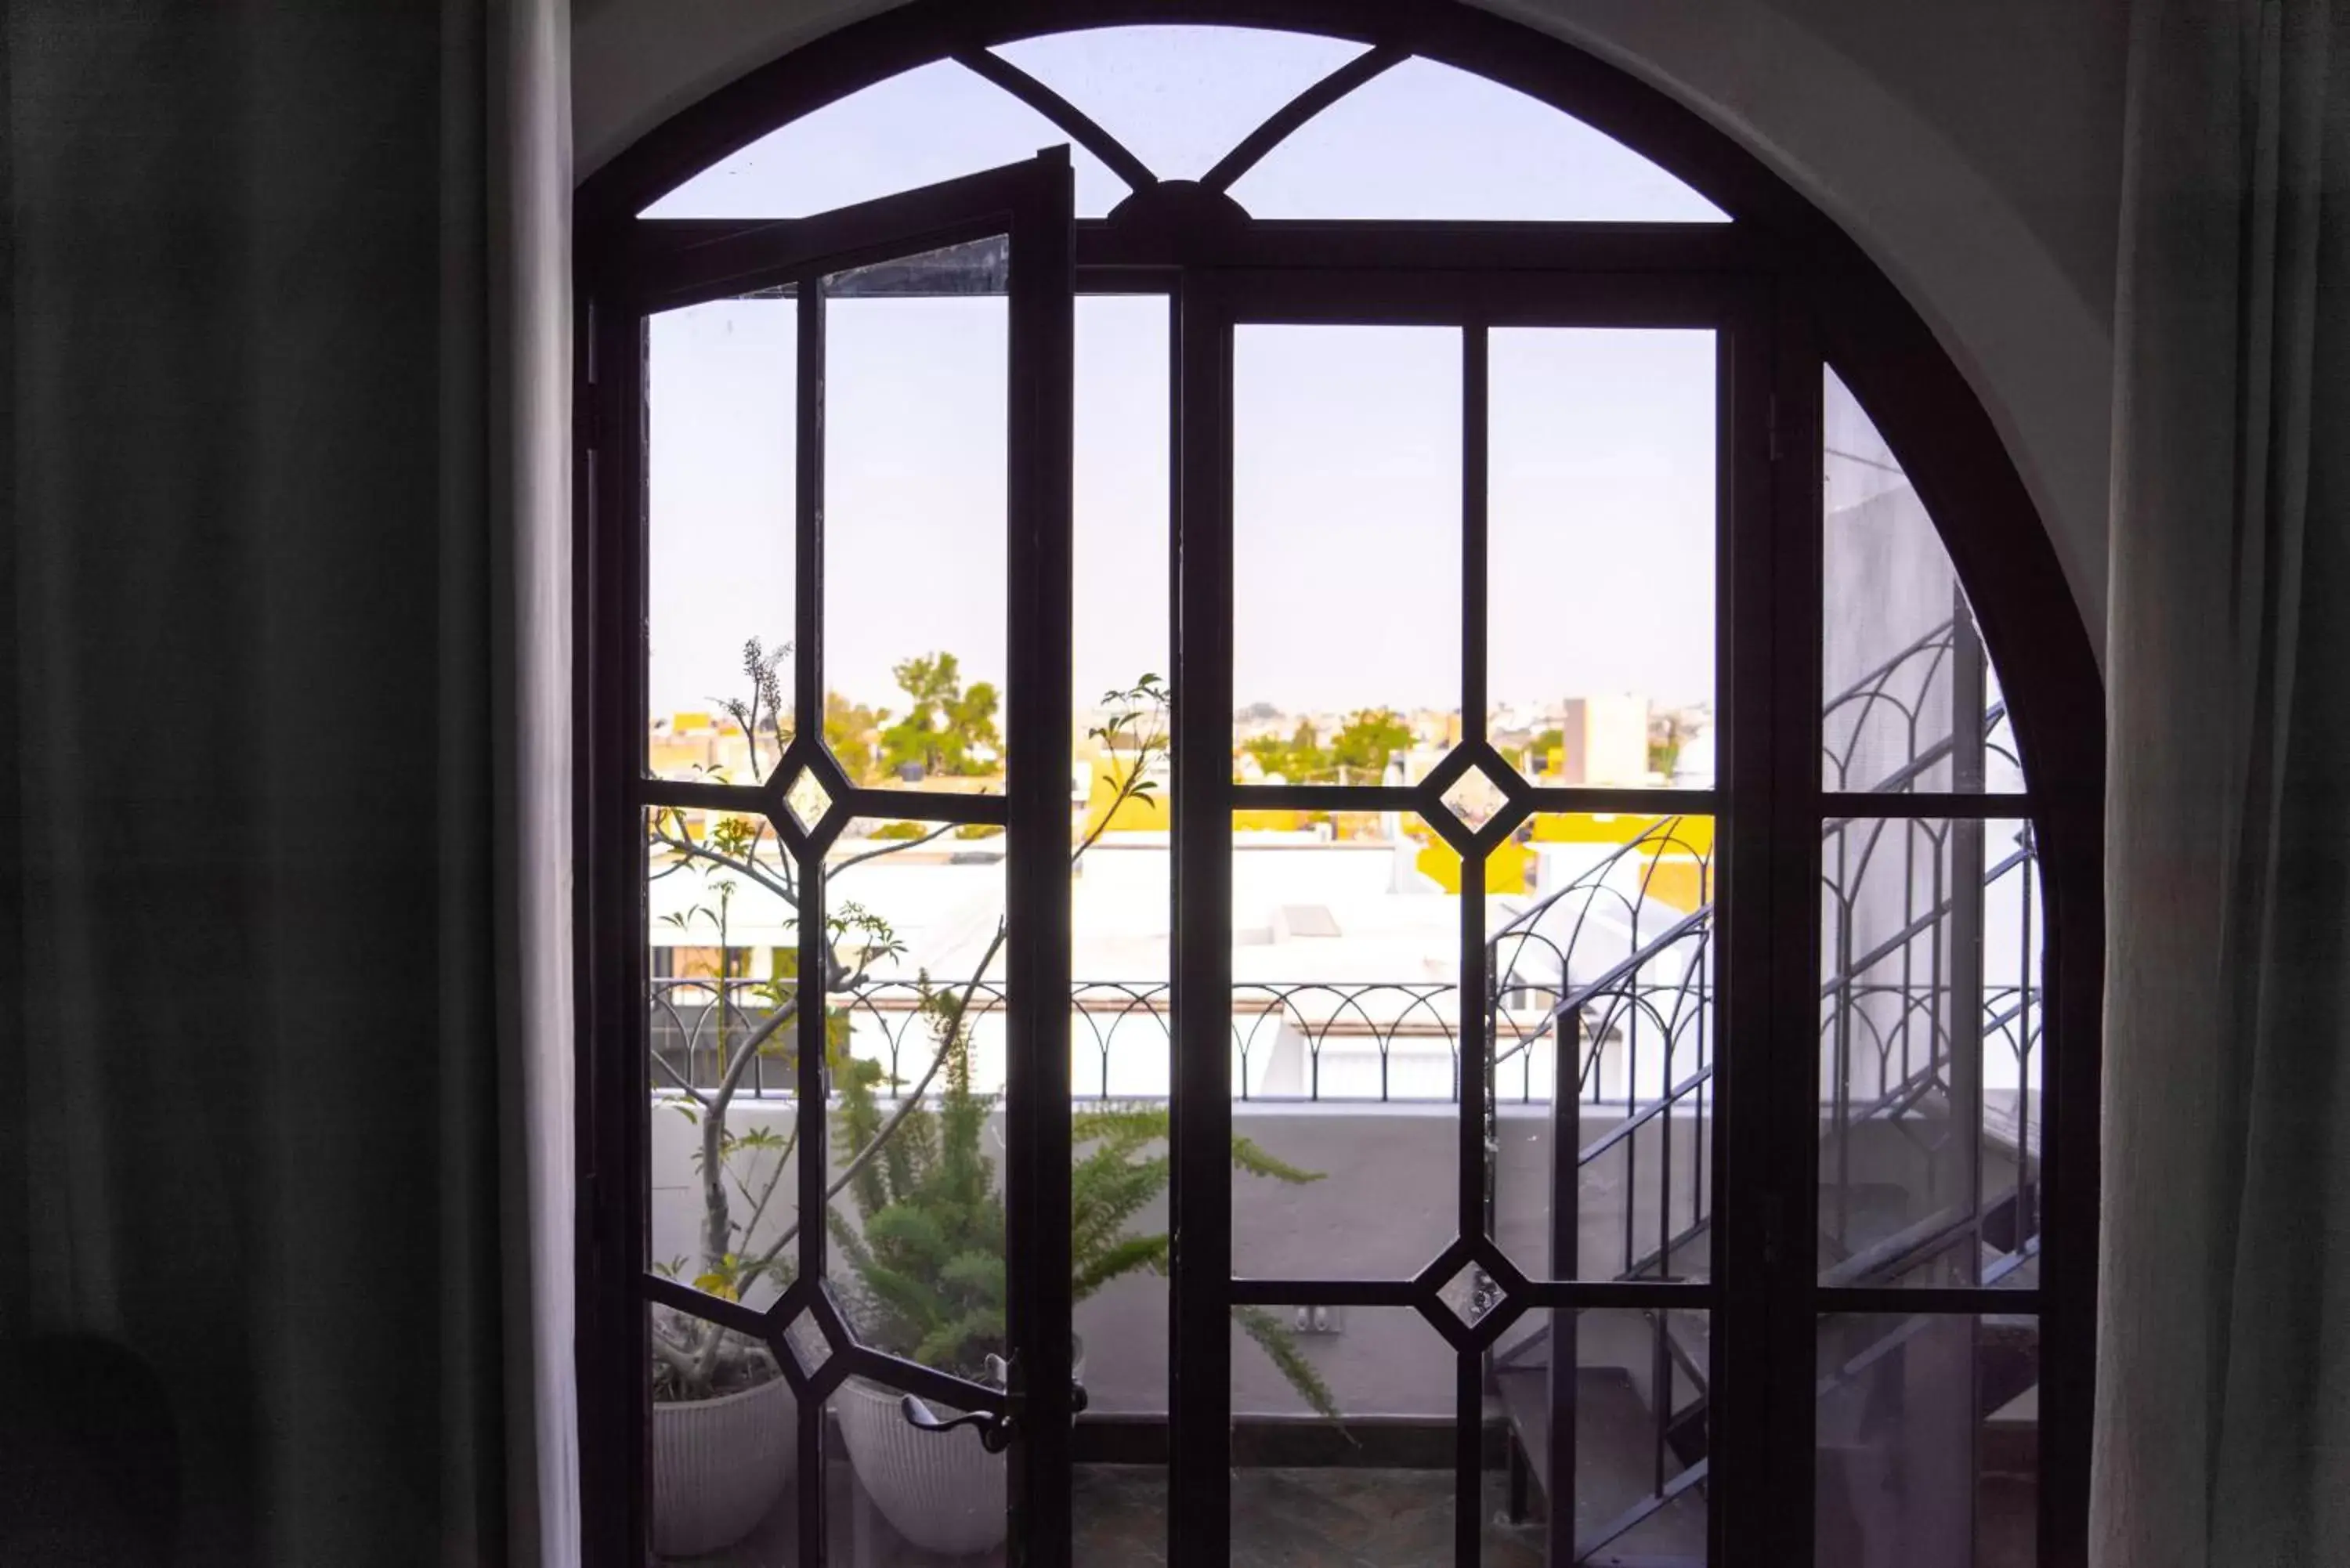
(1890, 1256)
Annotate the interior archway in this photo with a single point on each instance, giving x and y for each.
(1798, 294)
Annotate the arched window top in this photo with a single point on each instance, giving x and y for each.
(1178, 98)
(916, 128)
(1426, 140)
(1293, 125)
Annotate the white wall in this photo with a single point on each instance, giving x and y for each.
(1973, 150)
(1384, 1207)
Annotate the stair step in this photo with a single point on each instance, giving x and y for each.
(1614, 1455)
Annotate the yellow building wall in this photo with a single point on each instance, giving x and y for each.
(1680, 878)
(1136, 813)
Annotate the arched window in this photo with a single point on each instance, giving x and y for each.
(1350, 820)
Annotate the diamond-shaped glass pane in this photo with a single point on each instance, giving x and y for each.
(1475, 797)
(806, 1341)
(807, 798)
(1471, 1293)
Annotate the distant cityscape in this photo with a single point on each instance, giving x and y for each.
(1372, 905)
(1620, 740)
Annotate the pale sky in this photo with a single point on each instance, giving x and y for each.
(1346, 469)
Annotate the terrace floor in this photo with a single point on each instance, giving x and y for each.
(1288, 1518)
(1296, 1518)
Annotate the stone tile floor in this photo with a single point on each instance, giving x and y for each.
(1291, 1518)
(1318, 1518)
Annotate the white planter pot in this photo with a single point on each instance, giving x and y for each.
(943, 1491)
(719, 1464)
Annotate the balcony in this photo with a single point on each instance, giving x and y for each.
(1928, 1134)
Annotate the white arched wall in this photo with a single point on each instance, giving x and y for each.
(1974, 150)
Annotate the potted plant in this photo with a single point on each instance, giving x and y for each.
(724, 1444)
(725, 1423)
(926, 1250)
(725, 1420)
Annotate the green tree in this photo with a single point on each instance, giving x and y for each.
(945, 728)
(1306, 759)
(849, 730)
(1299, 759)
(1370, 738)
(1549, 742)
(972, 718)
(1270, 753)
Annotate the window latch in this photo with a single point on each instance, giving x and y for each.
(996, 1432)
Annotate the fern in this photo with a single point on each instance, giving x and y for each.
(927, 1249)
(1247, 1156)
(1127, 1256)
(1279, 1347)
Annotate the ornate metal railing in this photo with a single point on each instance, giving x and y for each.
(1641, 1026)
(1302, 1040)
(1901, 710)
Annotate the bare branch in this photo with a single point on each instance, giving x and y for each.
(748, 1049)
(685, 846)
(783, 1163)
(678, 1080)
(905, 1106)
(677, 1358)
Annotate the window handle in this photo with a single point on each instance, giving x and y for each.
(994, 1431)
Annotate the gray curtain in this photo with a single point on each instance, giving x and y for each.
(2223, 1433)
(285, 1089)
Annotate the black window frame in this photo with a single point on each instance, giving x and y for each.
(1802, 296)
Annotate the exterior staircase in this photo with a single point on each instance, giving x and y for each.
(1639, 1419)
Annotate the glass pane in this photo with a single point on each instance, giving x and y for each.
(1426, 140)
(1929, 1432)
(1346, 991)
(917, 923)
(1346, 549)
(1121, 904)
(917, 1145)
(1602, 960)
(1178, 98)
(934, 122)
(724, 1465)
(1931, 1062)
(917, 457)
(719, 428)
(1635, 1401)
(1600, 527)
(720, 1151)
(1342, 1448)
(1123, 894)
(721, 990)
(1902, 659)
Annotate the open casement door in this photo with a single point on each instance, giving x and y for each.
(985, 1425)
